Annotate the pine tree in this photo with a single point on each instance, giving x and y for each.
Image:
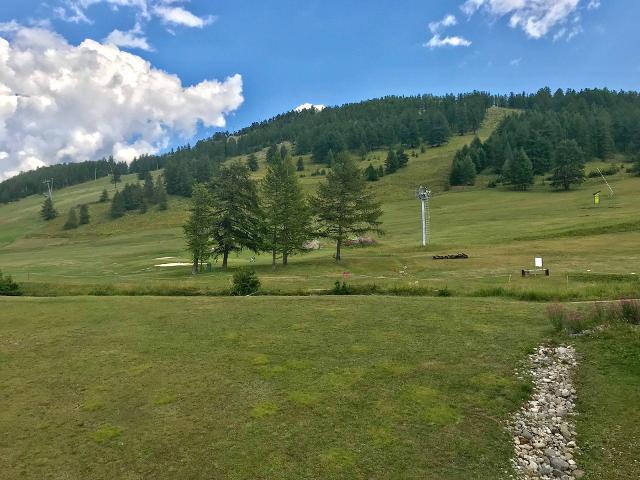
(440, 130)
(518, 170)
(568, 165)
(252, 162)
(104, 196)
(391, 163)
(236, 216)
(272, 152)
(344, 206)
(463, 171)
(48, 211)
(603, 139)
(371, 173)
(300, 165)
(118, 205)
(161, 194)
(72, 220)
(148, 190)
(84, 214)
(197, 229)
(283, 151)
(403, 158)
(380, 171)
(287, 218)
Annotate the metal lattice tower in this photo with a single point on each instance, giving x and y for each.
(424, 194)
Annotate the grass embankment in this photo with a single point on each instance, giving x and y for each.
(245, 388)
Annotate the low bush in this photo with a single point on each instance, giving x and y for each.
(341, 289)
(245, 282)
(557, 315)
(630, 311)
(8, 287)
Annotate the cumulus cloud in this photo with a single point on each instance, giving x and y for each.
(307, 106)
(62, 102)
(535, 17)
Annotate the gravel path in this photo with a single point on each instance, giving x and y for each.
(543, 430)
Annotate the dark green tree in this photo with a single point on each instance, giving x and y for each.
(300, 165)
(380, 171)
(104, 196)
(8, 287)
(72, 220)
(161, 194)
(236, 218)
(118, 205)
(391, 163)
(371, 173)
(440, 130)
(252, 162)
(518, 170)
(272, 152)
(568, 166)
(463, 171)
(286, 214)
(84, 214)
(344, 206)
(197, 229)
(148, 190)
(48, 211)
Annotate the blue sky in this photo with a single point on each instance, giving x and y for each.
(331, 52)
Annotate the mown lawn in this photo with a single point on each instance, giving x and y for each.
(261, 388)
(608, 425)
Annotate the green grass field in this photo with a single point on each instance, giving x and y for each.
(585, 247)
(309, 386)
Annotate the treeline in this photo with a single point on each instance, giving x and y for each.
(358, 127)
(63, 175)
(599, 123)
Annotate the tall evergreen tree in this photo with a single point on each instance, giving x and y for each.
(104, 196)
(603, 139)
(72, 220)
(148, 190)
(197, 228)
(272, 152)
(463, 171)
(440, 130)
(568, 165)
(344, 206)
(300, 165)
(287, 217)
(118, 205)
(84, 214)
(236, 220)
(391, 163)
(518, 170)
(161, 194)
(48, 211)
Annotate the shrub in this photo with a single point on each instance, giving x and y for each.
(343, 289)
(575, 322)
(630, 311)
(557, 315)
(8, 287)
(444, 292)
(245, 282)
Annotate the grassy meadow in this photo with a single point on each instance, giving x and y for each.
(592, 252)
(169, 378)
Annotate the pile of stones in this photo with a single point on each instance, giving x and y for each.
(543, 430)
(454, 256)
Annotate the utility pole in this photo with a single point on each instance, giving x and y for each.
(49, 183)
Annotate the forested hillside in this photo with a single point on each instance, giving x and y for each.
(581, 126)
(363, 126)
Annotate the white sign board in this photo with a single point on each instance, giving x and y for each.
(538, 262)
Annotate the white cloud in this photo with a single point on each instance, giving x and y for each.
(180, 16)
(535, 17)
(307, 106)
(130, 39)
(515, 62)
(61, 102)
(450, 41)
(448, 21)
